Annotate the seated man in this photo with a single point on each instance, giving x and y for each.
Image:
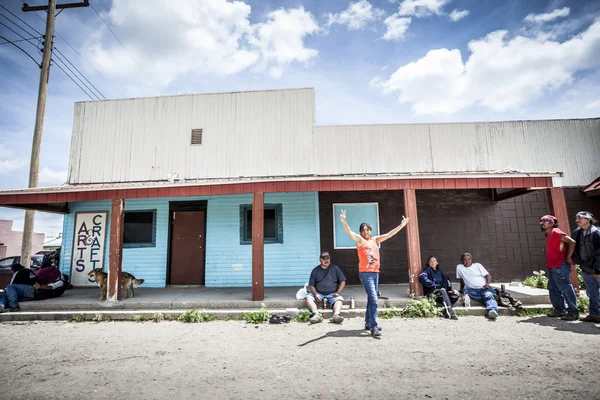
(436, 283)
(20, 288)
(49, 282)
(326, 282)
(475, 282)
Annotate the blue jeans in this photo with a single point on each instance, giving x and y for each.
(370, 281)
(561, 290)
(592, 288)
(3, 300)
(330, 298)
(487, 296)
(19, 292)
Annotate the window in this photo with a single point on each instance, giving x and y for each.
(273, 223)
(140, 229)
(356, 214)
(196, 136)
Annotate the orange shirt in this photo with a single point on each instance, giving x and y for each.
(368, 256)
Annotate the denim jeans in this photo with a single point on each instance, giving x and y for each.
(370, 281)
(487, 296)
(19, 292)
(561, 290)
(3, 300)
(592, 288)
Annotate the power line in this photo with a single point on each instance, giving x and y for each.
(11, 13)
(17, 33)
(83, 58)
(134, 60)
(21, 40)
(20, 48)
(58, 58)
(58, 65)
(86, 79)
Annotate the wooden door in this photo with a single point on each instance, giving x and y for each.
(187, 248)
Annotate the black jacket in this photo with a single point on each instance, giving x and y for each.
(432, 279)
(591, 265)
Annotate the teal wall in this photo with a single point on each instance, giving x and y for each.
(227, 262)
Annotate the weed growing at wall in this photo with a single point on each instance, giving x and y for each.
(424, 307)
(258, 317)
(390, 313)
(303, 316)
(537, 280)
(583, 303)
(196, 316)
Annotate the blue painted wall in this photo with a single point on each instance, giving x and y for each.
(227, 262)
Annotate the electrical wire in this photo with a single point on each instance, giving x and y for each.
(134, 60)
(20, 48)
(21, 40)
(58, 65)
(86, 79)
(58, 58)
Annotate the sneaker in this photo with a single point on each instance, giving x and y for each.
(570, 317)
(590, 318)
(493, 314)
(14, 309)
(375, 333)
(316, 318)
(454, 317)
(337, 319)
(368, 329)
(556, 314)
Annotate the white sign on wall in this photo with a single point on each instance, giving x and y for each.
(89, 238)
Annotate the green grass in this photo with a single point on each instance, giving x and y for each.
(258, 317)
(389, 313)
(424, 307)
(537, 280)
(195, 316)
(303, 316)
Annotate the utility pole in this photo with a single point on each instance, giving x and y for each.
(34, 165)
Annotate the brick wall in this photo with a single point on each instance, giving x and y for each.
(503, 236)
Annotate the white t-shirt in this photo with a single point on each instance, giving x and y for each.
(474, 276)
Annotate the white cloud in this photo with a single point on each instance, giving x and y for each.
(500, 73)
(9, 162)
(396, 27)
(457, 15)
(421, 8)
(593, 105)
(281, 39)
(49, 177)
(547, 17)
(356, 16)
(211, 37)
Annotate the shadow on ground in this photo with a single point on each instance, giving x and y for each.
(338, 334)
(584, 328)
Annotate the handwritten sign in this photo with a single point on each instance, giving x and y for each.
(89, 238)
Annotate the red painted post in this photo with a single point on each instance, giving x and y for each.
(558, 205)
(117, 220)
(413, 243)
(258, 246)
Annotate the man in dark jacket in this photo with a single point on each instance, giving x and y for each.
(587, 255)
(435, 282)
(20, 288)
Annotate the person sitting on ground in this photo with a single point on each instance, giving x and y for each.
(326, 283)
(435, 283)
(475, 282)
(20, 288)
(49, 282)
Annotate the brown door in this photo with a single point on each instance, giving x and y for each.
(187, 248)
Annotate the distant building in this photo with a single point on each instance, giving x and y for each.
(192, 180)
(11, 241)
(53, 243)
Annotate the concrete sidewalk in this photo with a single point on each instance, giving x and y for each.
(225, 302)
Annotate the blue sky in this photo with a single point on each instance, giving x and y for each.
(369, 62)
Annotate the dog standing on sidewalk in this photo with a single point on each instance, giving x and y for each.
(128, 282)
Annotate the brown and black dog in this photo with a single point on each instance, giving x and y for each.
(128, 282)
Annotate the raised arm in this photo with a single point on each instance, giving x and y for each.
(357, 238)
(384, 237)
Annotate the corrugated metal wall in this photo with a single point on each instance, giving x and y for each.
(227, 262)
(244, 134)
(569, 146)
(286, 264)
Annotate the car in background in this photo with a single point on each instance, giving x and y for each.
(7, 262)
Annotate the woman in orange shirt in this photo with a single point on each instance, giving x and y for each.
(368, 265)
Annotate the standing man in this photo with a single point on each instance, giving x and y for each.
(368, 265)
(559, 250)
(587, 255)
(326, 283)
(475, 282)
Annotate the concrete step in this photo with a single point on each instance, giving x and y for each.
(104, 314)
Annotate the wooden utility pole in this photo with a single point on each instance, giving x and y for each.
(34, 165)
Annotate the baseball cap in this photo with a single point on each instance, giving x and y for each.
(325, 254)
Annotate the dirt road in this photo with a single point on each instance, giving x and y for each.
(512, 358)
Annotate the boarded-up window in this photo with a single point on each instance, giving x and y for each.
(273, 223)
(139, 229)
(196, 136)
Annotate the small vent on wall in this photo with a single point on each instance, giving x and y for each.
(196, 136)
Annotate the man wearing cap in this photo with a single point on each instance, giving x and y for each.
(326, 283)
(559, 250)
(587, 255)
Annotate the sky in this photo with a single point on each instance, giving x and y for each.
(370, 62)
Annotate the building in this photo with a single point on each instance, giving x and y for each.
(11, 241)
(244, 189)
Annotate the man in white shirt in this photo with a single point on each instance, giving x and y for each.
(475, 282)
